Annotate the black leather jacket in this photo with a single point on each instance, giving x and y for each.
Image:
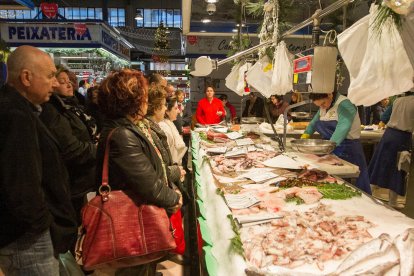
(133, 164)
(75, 143)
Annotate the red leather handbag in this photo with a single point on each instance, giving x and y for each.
(120, 230)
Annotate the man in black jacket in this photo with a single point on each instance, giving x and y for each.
(254, 106)
(37, 218)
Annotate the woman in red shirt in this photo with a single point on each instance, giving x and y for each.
(210, 110)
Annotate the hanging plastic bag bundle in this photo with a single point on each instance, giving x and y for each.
(260, 76)
(282, 77)
(381, 73)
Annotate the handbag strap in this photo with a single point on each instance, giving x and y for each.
(105, 189)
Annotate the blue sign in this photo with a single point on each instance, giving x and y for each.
(46, 33)
(109, 41)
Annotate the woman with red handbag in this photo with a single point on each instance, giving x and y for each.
(133, 163)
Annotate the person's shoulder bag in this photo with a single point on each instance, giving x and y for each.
(120, 230)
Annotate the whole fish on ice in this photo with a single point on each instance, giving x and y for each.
(405, 246)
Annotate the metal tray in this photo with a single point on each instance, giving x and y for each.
(300, 115)
(252, 120)
(314, 146)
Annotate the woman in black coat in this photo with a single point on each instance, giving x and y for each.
(134, 163)
(75, 132)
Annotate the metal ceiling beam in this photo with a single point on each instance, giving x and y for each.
(320, 13)
(186, 13)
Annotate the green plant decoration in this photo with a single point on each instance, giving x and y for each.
(4, 51)
(385, 13)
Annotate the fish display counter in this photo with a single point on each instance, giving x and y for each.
(263, 212)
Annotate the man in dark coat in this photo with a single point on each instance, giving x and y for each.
(254, 106)
(37, 218)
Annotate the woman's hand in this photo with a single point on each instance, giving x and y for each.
(182, 173)
(179, 204)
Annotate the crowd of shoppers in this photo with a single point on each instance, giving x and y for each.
(52, 148)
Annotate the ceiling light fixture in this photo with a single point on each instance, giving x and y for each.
(211, 1)
(238, 25)
(138, 16)
(202, 31)
(211, 8)
(206, 20)
(234, 30)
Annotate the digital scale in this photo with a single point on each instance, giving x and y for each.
(314, 70)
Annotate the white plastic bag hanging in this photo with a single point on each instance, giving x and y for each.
(282, 77)
(352, 44)
(241, 84)
(260, 76)
(385, 69)
(233, 78)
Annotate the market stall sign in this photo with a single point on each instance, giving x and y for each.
(37, 33)
(207, 45)
(192, 39)
(49, 9)
(52, 35)
(80, 28)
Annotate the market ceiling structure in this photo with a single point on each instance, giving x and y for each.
(227, 15)
(17, 4)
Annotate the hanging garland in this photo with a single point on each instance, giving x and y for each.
(270, 27)
(108, 57)
(270, 10)
(148, 34)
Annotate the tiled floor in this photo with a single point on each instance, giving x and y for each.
(169, 268)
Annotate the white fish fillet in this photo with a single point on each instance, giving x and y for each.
(405, 245)
(281, 271)
(364, 251)
(395, 270)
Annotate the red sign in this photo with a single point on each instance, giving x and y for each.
(303, 64)
(80, 28)
(192, 39)
(49, 9)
